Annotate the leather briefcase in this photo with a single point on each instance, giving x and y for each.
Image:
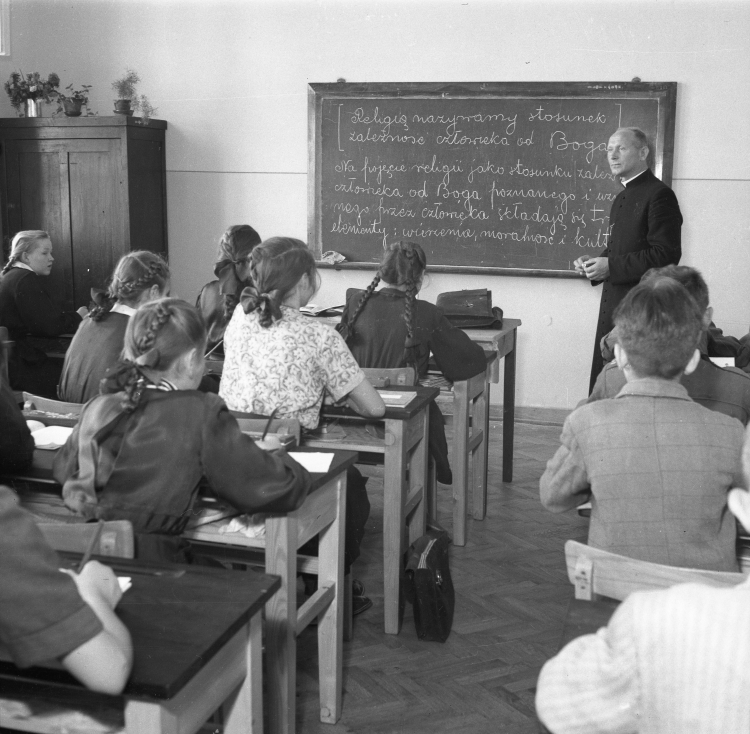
(470, 309)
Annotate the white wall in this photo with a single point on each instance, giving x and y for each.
(230, 78)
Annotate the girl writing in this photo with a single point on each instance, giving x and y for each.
(279, 360)
(140, 276)
(391, 328)
(139, 452)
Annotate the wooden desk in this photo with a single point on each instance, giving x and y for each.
(404, 446)
(321, 514)
(503, 343)
(196, 648)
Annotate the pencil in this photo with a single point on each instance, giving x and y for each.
(90, 547)
(268, 425)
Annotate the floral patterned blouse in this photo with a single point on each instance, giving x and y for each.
(287, 366)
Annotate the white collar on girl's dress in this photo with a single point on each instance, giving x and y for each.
(23, 266)
(123, 309)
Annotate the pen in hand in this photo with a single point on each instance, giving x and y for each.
(92, 544)
(268, 424)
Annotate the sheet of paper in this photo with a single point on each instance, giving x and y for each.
(125, 583)
(314, 462)
(51, 437)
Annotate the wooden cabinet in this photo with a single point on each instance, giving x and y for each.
(96, 184)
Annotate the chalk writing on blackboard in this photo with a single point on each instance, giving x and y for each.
(480, 181)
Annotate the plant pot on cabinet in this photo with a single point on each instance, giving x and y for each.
(33, 107)
(72, 107)
(122, 107)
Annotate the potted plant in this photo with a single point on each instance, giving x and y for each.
(128, 100)
(74, 101)
(30, 91)
(125, 89)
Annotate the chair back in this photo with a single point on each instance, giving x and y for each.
(254, 426)
(36, 402)
(116, 538)
(598, 572)
(390, 376)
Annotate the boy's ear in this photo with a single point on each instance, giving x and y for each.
(621, 356)
(739, 503)
(693, 363)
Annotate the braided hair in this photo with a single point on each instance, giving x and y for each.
(235, 246)
(403, 263)
(135, 273)
(157, 335)
(277, 265)
(25, 241)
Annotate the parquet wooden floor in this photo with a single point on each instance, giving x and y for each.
(511, 596)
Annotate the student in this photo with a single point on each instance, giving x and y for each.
(280, 361)
(724, 389)
(218, 299)
(16, 443)
(656, 466)
(47, 615)
(140, 276)
(139, 452)
(673, 660)
(33, 319)
(391, 328)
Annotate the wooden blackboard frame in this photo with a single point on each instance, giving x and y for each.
(661, 158)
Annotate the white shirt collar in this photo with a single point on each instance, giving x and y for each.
(626, 181)
(23, 266)
(123, 309)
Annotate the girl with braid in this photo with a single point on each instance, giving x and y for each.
(218, 298)
(32, 318)
(140, 276)
(141, 449)
(278, 359)
(389, 328)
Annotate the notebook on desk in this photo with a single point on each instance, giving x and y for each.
(398, 399)
(312, 309)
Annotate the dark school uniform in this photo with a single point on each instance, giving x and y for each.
(33, 320)
(645, 223)
(148, 465)
(378, 341)
(95, 348)
(42, 615)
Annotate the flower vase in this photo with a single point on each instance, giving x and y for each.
(33, 107)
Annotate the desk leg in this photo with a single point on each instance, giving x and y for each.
(461, 433)
(394, 488)
(509, 412)
(281, 625)
(330, 623)
(243, 711)
(419, 481)
(480, 454)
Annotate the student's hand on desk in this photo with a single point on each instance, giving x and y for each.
(97, 581)
(596, 268)
(269, 443)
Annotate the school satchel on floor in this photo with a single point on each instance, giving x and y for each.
(429, 587)
(470, 309)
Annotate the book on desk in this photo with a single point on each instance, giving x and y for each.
(396, 399)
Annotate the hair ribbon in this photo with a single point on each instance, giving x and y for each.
(149, 358)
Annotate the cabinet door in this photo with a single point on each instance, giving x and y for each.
(74, 190)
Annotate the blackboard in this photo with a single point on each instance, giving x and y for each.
(507, 178)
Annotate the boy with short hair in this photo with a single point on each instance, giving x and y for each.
(656, 466)
(725, 389)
